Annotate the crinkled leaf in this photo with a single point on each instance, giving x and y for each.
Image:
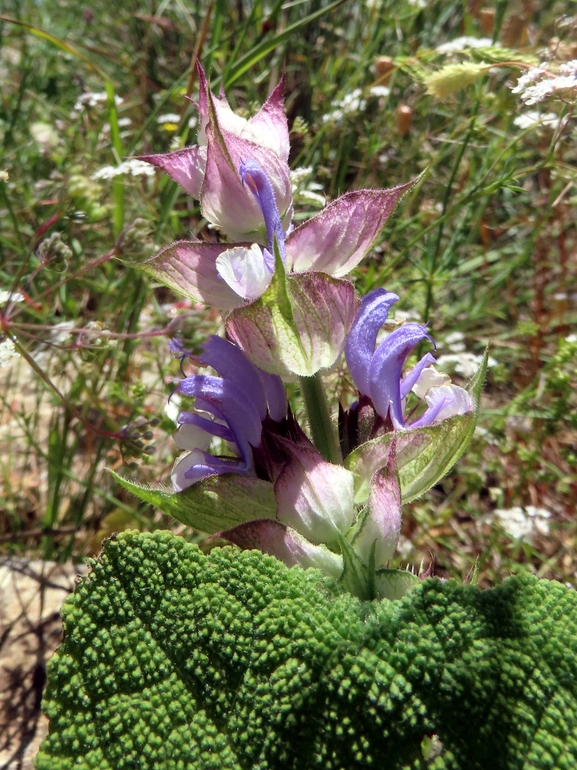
(423, 455)
(189, 268)
(213, 504)
(309, 336)
(231, 661)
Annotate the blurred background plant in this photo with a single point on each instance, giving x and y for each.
(378, 92)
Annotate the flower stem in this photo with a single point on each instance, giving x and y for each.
(322, 430)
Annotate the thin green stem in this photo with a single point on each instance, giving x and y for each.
(322, 430)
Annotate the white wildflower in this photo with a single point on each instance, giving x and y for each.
(170, 117)
(350, 104)
(60, 333)
(10, 296)
(306, 192)
(529, 77)
(193, 122)
(404, 546)
(299, 175)
(7, 352)
(538, 84)
(455, 341)
(465, 43)
(379, 91)
(133, 167)
(523, 523)
(534, 118)
(88, 100)
(486, 435)
(463, 363)
(399, 317)
(312, 197)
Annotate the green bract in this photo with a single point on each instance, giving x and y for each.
(176, 659)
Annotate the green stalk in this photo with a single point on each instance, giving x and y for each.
(322, 431)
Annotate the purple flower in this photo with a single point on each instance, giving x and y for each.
(231, 407)
(377, 370)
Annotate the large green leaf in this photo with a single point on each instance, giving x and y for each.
(217, 503)
(423, 455)
(173, 659)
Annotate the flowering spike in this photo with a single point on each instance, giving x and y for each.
(362, 338)
(254, 177)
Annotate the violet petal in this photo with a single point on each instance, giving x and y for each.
(386, 369)
(232, 365)
(254, 177)
(362, 338)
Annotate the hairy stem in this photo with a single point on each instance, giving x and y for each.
(322, 430)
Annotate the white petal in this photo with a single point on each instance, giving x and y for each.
(184, 462)
(245, 271)
(429, 378)
(456, 401)
(192, 437)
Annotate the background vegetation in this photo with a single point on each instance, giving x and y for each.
(484, 249)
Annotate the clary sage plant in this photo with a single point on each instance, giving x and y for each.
(175, 659)
(333, 500)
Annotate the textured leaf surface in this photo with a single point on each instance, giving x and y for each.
(175, 659)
